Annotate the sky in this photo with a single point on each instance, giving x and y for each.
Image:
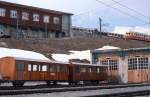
(87, 12)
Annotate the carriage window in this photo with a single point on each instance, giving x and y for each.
(89, 69)
(83, 69)
(63, 69)
(98, 70)
(29, 67)
(53, 68)
(77, 69)
(94, 69)
(35, 67)
(39, 67)
(20, 67)
(44, 67)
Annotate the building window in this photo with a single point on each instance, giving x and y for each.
(2, 12)
(132, 63)
(111, 64)
(46, 19)
(56, 20)
(138, 63)
(36, 17)
(143, 63)
(25, 16)
(13, 14)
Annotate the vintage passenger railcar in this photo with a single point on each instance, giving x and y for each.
(20, 70)
(137, 36)
(88, 73)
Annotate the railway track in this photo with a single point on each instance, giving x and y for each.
(48, 89)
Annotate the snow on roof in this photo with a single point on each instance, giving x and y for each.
(87, 64)
(108, 48)
(22, 54)
(73, 55)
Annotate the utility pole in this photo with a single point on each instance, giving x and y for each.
(100, 25)
(17, 27)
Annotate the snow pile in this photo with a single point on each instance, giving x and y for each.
(108, 48)
(73, 55)
(17, 53)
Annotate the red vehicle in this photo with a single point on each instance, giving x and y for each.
(137, 36)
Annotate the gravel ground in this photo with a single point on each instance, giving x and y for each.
(85, 93)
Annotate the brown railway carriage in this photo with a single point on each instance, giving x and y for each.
(85, 72)
(20, 70)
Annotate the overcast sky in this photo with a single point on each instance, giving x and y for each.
(87, 12)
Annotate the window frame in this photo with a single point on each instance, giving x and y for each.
(25, 16)
(46, 19)
(36, 17)
(42, 69)
(56, 20)
(20, 65)
(2, 12)
(34, 67)
(13, 14)
(53, 68)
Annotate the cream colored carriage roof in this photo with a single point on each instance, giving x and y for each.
(22, 54)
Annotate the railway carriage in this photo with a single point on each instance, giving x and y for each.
(88, 73)
(137, 36)
(20, 70)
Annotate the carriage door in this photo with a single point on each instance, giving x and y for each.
(43, 73)
(20, 71)
(71, 73)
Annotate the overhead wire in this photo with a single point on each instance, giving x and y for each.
(123, 12)
(137, 12)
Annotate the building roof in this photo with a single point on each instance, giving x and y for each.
(137, 49)
(87, 64)
(116, 49)
(33, 8)
(107, 47)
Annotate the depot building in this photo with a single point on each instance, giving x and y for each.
(124, 65)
